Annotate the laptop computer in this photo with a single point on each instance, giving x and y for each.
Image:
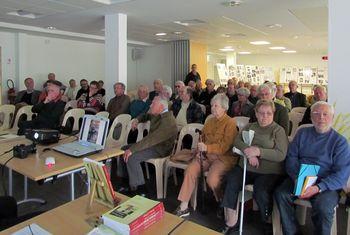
(92, 138)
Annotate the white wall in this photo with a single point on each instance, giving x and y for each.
(29, 55)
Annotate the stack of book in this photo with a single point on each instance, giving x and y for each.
(134, 215)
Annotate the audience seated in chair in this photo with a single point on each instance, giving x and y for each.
(186, 110)
(178, 86)
(84, 88)
(101, 90)
(71, 91)
(281, 99)
(158, 87)
(28, 96)
(319, 145)
(91, 102)
(158, 143)
(264, 169)
(253, 98)
(207, 94)
(267, 91)
(241, 107)
(320, 94)
(231, 92)
(218, 135)
(49, 111)
(298, 99)
(118, 104)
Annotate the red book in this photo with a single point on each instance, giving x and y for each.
(140, 220)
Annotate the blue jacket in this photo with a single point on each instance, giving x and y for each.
(328, 150)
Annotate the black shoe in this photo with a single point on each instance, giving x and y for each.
(181, 213)
(227, 230)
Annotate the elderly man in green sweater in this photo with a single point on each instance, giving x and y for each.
(158, 143)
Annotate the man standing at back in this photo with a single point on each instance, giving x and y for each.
(298, 99)
(193, 75)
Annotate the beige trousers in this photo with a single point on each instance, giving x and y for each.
(216, 170)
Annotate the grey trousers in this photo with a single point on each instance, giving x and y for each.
(134, 168)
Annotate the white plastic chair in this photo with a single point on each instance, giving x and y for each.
(76, 114)
(8, 111)
(296, 131)
(73, 104)
(141, 128)
(189, 129)
(295, 118)
(27, 110)
(124, 120)
(103, 114)
(241, 122)
(298, 110)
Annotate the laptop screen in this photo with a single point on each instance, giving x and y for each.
(94, 130)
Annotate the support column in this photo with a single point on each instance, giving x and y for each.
(339, 53)
(115, 52)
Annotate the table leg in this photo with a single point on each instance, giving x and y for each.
(10, 182)
(88, 183)
(26, 199)
(72, 186)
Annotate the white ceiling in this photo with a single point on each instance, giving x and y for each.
(304, 22)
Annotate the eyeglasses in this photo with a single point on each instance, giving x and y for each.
(177, 86)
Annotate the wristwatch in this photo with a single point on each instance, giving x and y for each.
(319, 189)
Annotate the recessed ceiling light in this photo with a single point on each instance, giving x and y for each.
(259, 43)
(162, 39)
(227, 49)
(226, 35)
(244, 53)
(277, 48)
(51, 28)
(235, 3)
(23, 13)
(160, 34)
(295, 37)
(109, 2)
(177, 33)
(289, 51)
(274, 26)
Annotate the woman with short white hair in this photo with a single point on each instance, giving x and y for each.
(218, 135)
(241, 107)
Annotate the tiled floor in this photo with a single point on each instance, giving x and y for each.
(58, 193)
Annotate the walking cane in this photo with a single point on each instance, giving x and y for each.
(200, 197)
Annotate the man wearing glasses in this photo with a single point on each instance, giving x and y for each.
(318, 145)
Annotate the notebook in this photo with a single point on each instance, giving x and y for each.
(92, 137)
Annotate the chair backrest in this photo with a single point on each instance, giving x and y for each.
(241, 122)
(8, 111)
(209, 117)
(27, 110)
(296, 131)
(189, 129)
(123, 120)
(294, 118)
(76, 114)
(141, 127)
(298, 110)
(73, 104)
(103, 114)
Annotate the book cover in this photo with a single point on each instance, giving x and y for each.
(309, 181)
(129, 214)
(305, 171)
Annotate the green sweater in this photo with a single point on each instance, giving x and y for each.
(162, 133)
(273, 144)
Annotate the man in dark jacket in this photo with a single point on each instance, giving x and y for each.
(28, 96)
(185, 109)
(49, 110)
(193, 75)
(298, 99)
(206, 96)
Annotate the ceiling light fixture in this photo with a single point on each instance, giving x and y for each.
(177, 33)
(234, 3)
(23, 13)
(277, 48)
(226, 35)
(162, 39)
(274, 26)
(244, 53)
(226, 49)
(109, 2)
(259, 43)
(289, 51)
(161, 34)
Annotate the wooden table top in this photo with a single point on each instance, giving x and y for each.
(34, 165)
(73, 218)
